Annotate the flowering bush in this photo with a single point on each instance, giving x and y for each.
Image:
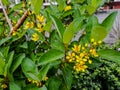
(37, 46)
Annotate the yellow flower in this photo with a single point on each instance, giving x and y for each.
(70, 56)
(29, 25)
(40, 18)
(3, 86)
(92, 40)
(76, 48)
(39, 28)
(67, 8)
(35, 37)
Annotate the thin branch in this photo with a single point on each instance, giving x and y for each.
(6, 16)
(20, 21)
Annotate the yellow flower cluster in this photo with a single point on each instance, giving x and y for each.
(67, 8)
(81, 55)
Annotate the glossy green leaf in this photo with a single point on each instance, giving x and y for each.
(56, 42)
(50, 56)
(43, 71)
(110, 55)
(29, 68)
(54, 83)
(68, 78)
(14, 86)
(2, 41)
(98, 33)
(59, 26)
(37, 4)
(108, 22)
(16, 62)
(28, 65)
(73, 28)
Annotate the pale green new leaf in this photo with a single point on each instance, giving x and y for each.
(37, 4)
(98, 33)
(73, 28)
(108, 22)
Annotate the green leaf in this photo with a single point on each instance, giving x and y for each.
(56, 42)
(90, 9)
(4, 52)
(48, 26)
(68, 78)
(37, 4)
(108, 22)
(16, 7)
(1, 29)
(59, 26)
(16, 62)
(9, 60)
(43, 88)
(98, 33)
(5, 2)
(4, 40)
(73, 28)
(43, 71)
(2, 64)
(54, 83)
(110, 54)
(28, 66)
(24, 45)
(50, 56)
(14, 86)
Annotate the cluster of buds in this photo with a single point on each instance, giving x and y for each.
(81, 55)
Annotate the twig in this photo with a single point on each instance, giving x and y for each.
(20, 21)
(6, 16)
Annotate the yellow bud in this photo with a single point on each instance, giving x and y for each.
(29, 3)
(86, 45)
(3, 86)
(99, 42)
(90, 61)
(92, 40)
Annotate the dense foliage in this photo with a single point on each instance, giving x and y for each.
(38, 50)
